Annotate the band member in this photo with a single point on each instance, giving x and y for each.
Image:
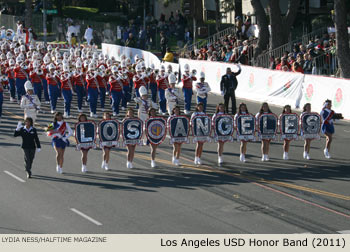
(84, 151)
(52, 81)
(92, 89)
(171, 94)
(202, 89)
(106, 149)
(139, 80)
(307, 143)
(220, 110)
(30, 143)
(187, 80)
(327, 115)
(286, 142)
(116, 90)
(45, 69)
(36, 75)
(242, 110)
(265, 143)
(127, 78)
(228, 86)
(30, 102)
(11, 76)
(162, 83)
(143, 103)
(199, 145)
(59, 131)
(102, 85)
(21, 76)
(79, 82)
(67, 90)
(130, 147)
(153, 84)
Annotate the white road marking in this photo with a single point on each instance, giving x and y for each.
(14, 176)
(86, 217)
(344, 232)
(347, 131)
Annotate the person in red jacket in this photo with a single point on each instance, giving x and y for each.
(187, 79)
(52, 82)
(102, 85)
(11, 77)
(36, 74)
(21, 76)
(116, 84)
(67, 90)
(79, 81)
(92, 89)
(163, 84)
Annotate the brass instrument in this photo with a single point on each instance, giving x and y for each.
(39, 71)
(194, 71)
(156, 71)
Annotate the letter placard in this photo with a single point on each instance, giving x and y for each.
(245, 127)
(85, 135)
(223, 128)
(289, 126)
(155, 129)
(132, 131)
(201, 128)
(310, 125)
(109, 132)
(179, 129)
(267, 126)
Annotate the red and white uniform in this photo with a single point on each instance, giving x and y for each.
(91, 81)
(52, 79)
(187, 80)
(79, 78)
(66, 81)
(140, 79)
(162, 81)
(35, 78)
(21, 73)
(116, 83)
(10, 72)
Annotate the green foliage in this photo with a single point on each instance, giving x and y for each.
(321, 21)
(86, 13)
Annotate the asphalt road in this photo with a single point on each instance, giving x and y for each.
(294, 196)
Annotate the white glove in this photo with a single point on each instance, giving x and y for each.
(38, 149)
(19, 126)
(222, 93)
(64, 139)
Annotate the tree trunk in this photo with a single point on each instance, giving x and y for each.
(217, 15)
(281, 26)
(28, 15)
(263, 40)
(342, 38)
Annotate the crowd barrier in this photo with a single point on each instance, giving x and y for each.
(259, 84)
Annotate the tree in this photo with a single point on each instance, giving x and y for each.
(28, 13)
(281, 26)
(261, 17)
(342, 37)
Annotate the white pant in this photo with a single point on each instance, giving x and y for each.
(30, 113)
(171, 106)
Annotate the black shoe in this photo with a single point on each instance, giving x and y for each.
(29, 174)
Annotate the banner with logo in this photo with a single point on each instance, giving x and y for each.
(132, 130)
(267, 126)
(109, 132)
(85, 135)
(289, 126)
(179, 129)
(310, 125)
(155, 130)
(245, 127)
(317, 89)
(223, 128)
(258, 84)
(201, 128)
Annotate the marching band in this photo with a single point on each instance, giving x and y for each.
(38, 74)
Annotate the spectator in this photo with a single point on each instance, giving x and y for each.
(130, 42)
(70, 31)
(307, 67)
(142, 39)
(163, 43)
(297, 68)
(73, 40)
(88, 34)
(60, 33)
(169, 56)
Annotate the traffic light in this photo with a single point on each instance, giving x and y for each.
(187, 8)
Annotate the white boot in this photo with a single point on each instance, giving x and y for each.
(153, 163)
(267, 158)
(91, 114)
(326, 153)
(220, 160)
(176, 162)
(285, 156)
(65, 115)
(106, 167)
(196, 160)
(305, 154)
(58, 169)
(263, 158)
(199, 161)
(129, 165)
(83, 169)
(173, 160)
(103, 164)
(242, 158)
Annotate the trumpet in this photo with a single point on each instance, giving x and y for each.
(194, 71)
(39, 71)
(24, 66)
(108, 72)
(156, 71)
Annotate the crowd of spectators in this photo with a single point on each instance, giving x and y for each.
(317, 57)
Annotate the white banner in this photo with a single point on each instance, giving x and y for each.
(254, 83)
(117, 51)
(319, 88)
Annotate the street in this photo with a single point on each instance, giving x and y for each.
(294, 196)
